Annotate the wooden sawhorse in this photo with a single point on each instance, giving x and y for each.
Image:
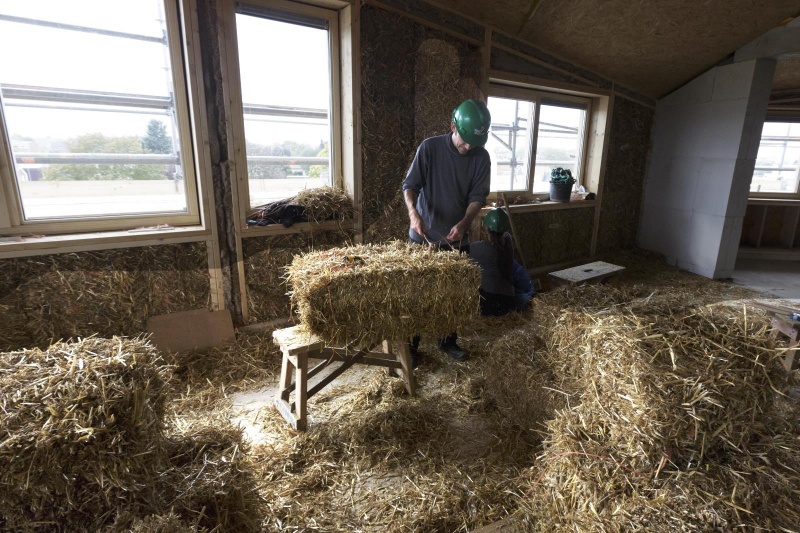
(298, 346)
(782, 323)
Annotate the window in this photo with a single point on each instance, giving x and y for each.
(287, 57)
(777, 171)
(532, 133)
(94, 116)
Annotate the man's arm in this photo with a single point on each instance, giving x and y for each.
(457, 232)
(410, 196)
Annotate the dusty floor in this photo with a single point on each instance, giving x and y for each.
(375, 459)
(779, 279)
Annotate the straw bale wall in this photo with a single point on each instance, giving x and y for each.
(626, 167)
(110, 292)
(413, 77)
(551, 237)
(266, 259)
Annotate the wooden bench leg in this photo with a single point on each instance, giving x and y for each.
(294, 413)
(402, 354)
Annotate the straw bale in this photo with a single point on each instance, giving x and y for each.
(324, 203)
(584, 483)
(79, 430)
(390, 291)
(678, 387)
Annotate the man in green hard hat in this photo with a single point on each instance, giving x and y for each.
(445, 188)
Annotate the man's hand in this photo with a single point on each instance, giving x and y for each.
(456, 233)
(416, 223)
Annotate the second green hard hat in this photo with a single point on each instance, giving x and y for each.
(472, 120)
(496, 220)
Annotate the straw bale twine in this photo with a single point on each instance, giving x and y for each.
(79, 430)
(389, 291)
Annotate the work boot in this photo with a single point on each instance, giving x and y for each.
(449, 346)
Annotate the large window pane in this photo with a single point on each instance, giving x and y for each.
(88, 98)
(777, 168)
(286, 94)
(559, 143)
(509, 143)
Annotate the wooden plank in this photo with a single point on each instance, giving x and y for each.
(190, 330)
(355, 358)
(596, 271)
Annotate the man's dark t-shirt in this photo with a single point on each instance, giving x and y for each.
(446, 183)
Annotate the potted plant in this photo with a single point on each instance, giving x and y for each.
(561, 182)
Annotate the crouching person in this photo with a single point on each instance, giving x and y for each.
(495, 256)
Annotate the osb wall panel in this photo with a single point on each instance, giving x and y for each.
(266, 259)
(110, 292)
(551, 237)
(413, 77)
(626, 165)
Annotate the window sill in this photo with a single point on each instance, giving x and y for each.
(299, 227)
(773, 201)
(547, 206)
(30, 245)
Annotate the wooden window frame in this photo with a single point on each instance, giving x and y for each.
(187, 85)
(345, 80)
(778, 195)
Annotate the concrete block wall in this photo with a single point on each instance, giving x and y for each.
(705, 143)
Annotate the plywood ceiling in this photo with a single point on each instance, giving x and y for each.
(653, 46)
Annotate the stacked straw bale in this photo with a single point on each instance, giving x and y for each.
(672, 425)
(80, 429)
(364, 294)
(84, 446)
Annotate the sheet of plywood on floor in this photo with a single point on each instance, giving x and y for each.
(558, 236)
(191, 330)
(625, 40)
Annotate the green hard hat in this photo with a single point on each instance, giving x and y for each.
(472, 120)
(496, 220)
